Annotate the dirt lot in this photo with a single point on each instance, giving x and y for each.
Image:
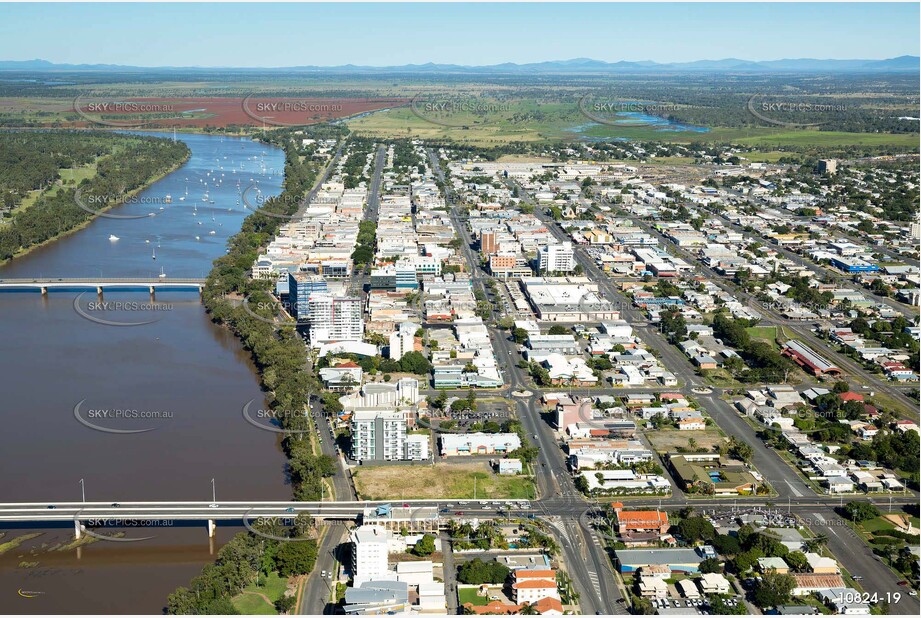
(668, 441)
(444, 480)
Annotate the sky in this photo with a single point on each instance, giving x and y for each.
(279, 35)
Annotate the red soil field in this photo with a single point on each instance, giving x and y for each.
(225, 111)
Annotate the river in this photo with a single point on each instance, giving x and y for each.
(186, 377)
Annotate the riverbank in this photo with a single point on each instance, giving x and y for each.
(108, 206)
(288, 387)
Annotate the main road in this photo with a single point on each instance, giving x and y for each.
(799, 498)
(859, 375)
(586, 559)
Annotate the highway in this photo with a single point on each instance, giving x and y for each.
(824, 271)
(859, 376)
(552, 474)
(799, 498)
(855, 556)
(308, 199)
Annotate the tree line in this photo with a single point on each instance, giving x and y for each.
(134, 162)
(280, 355)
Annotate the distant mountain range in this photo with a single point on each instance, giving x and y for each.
(577, 65)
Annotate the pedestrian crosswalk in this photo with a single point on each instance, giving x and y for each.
(595, 584)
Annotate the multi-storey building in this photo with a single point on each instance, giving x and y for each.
(334, 318)
(300, 287)
(401, 342)
(488, 244)
(556, 258)
(378, 435)
(370, 545)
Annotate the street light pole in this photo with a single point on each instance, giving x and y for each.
(82, 490)
(213, 493)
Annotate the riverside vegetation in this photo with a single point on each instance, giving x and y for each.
(280, 356)
(114, 167)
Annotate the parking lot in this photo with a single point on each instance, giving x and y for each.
(487, 411)
(690, 606)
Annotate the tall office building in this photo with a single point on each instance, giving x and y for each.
(300, 287)
(401, 342)
(487, 243)
(334, 318)
(406, 277)
(556, 258)
(369, 553)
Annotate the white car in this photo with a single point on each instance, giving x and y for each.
(213, 506)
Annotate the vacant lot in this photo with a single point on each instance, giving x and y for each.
(768, 333)
(443, 480)
(668, 440)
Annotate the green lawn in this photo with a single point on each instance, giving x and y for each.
(252, 602)
(68, 174)
(253, 605)
(273, 586)
(880, 524)
(762, 332)
(469, 595)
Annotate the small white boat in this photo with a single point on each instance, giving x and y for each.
(147, 241)
(168, 199)
(113, 237)
(212, 233)
(198, 238)
(162, 274)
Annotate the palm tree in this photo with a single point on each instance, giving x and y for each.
(815, 543)
(528, 610)
(887, 552)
